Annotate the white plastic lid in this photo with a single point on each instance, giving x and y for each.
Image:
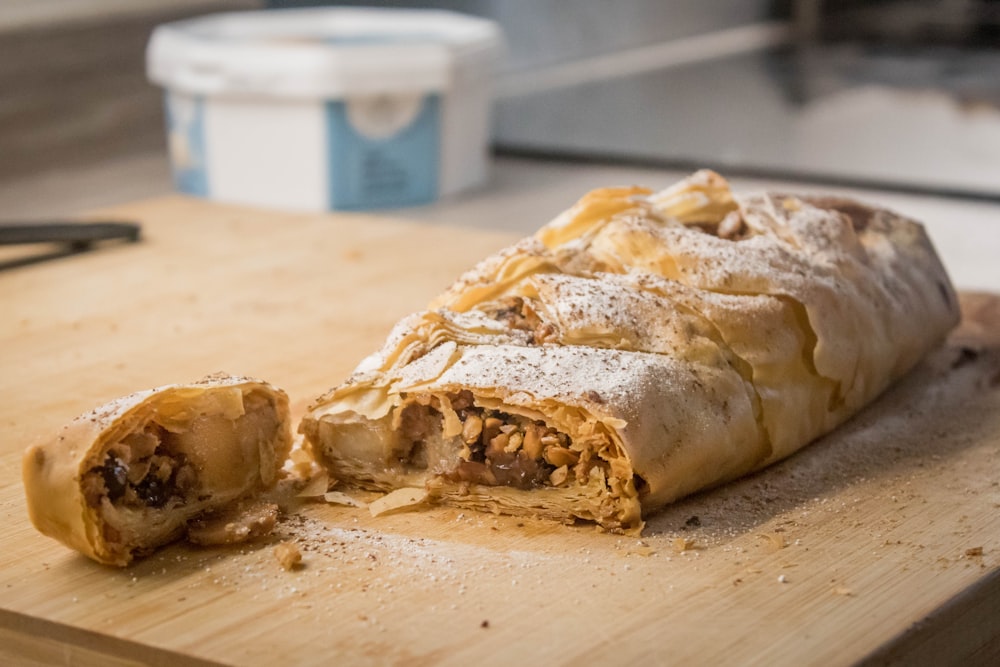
(326, 53)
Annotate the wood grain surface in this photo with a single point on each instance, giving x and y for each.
(879, 543)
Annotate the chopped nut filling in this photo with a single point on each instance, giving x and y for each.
(518, 314)
(494, 448)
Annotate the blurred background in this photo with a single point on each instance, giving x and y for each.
(888, 94)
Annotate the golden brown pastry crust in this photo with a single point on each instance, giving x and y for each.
(67, 492)
(679, 339)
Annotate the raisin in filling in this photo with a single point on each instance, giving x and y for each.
(115, 476)
(151, 480)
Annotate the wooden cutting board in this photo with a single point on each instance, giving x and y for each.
(880, 543)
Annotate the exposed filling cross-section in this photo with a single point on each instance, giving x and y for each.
(491, 447)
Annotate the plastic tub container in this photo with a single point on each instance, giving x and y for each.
(318, 109)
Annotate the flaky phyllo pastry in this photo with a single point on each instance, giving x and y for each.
(640, 347)
(133, 474)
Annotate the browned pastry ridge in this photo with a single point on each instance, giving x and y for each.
(132, 474)
(638, 348)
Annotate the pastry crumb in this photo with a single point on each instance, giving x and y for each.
(645, 551)
(288, 555)
(682, 544)
(773, 542)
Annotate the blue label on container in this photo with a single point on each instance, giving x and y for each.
(186, 143)
(383, 151)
